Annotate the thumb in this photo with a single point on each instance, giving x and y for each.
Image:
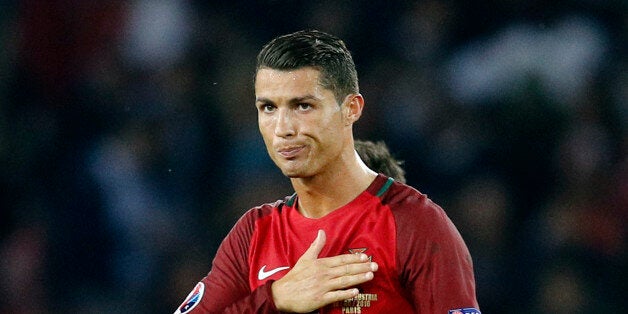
(316, 247)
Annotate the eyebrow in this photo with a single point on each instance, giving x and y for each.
(291, 101)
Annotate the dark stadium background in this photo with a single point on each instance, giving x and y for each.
(129, 144)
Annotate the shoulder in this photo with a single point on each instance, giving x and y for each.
(255, 214)
(408, 201)
(414, 211)
(241, 233)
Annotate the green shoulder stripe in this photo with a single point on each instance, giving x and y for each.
(290, 201)
(384, 188)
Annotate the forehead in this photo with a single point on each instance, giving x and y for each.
(277, 82)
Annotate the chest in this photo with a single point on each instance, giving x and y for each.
(280, 240)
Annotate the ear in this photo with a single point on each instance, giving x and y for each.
(352, 108)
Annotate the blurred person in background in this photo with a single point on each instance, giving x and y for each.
(378, 158)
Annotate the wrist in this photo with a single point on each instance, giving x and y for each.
(274, 287)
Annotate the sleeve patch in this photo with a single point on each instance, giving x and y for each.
(192, 300)
(466, 310)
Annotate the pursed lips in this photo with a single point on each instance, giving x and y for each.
(290, 151)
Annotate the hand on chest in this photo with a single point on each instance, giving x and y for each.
(278, 247)
(280, 242)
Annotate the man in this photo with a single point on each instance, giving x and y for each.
(377, 157)
(349, 240)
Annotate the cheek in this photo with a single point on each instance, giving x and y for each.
(268, 143)
(331, 124)
(265, 127)
(267, 135)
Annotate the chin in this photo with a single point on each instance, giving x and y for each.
(294, 173)
(291, 169)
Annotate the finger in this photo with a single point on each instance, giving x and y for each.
(340, 295)
(354, 269)
(316, 247)
(343, 259)
(343, 282)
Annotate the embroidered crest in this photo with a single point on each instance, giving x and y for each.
(360, 250)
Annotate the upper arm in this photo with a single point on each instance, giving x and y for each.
(227, 281)
(434, 262)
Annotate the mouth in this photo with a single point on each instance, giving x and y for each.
(290, 152)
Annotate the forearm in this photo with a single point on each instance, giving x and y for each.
(224, 299)
(259, 301)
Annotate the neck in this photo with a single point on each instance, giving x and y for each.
(325, 192)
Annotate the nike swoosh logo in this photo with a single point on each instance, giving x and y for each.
(263, 274)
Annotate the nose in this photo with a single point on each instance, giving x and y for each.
(284, 125)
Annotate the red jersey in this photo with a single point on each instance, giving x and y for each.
(424, 265)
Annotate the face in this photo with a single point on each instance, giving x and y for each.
(304, 128)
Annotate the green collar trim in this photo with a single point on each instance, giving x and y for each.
(384, 188)
(291, 200)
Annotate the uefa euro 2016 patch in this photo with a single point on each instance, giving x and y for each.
(466, 310)
(192, 300)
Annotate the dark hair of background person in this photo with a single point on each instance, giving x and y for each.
(377, 157)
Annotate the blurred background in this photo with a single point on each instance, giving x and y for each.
(129, 142)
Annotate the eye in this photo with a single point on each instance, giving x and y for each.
(267, 108)
(304, 106)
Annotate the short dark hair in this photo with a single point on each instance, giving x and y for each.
(312, 48)
(378, 158)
